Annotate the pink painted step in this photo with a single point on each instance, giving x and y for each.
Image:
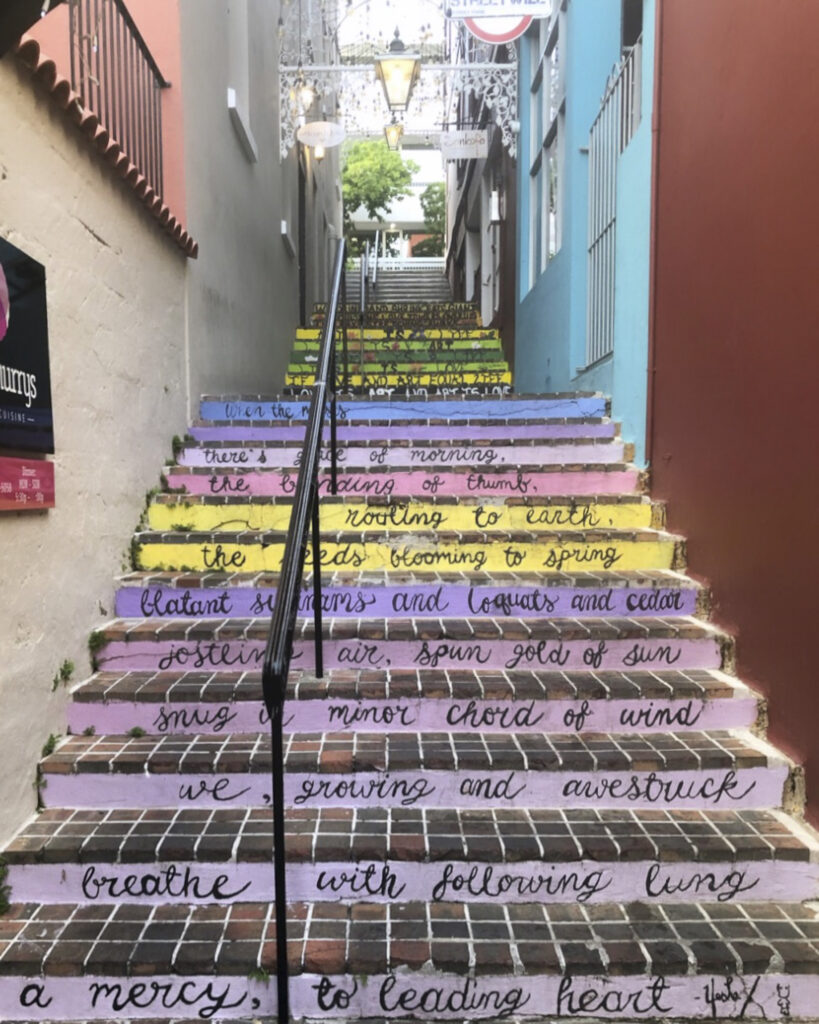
(485, 482)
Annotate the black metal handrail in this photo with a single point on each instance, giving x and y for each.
(279, 650)
(117, 78)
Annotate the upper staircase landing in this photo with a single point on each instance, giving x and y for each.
(405, 283)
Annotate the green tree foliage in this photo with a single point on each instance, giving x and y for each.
(433, 203)
(373, 177)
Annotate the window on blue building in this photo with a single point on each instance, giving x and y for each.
(546, 106)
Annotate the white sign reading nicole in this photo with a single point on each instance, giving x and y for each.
(465, 145)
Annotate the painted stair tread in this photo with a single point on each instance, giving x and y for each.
(414, 389)
(716, 769)
(456, 552)
(524, 444)
(680, 961)
(409, 432)
(492, 482)
(407, 628)
(392, 423)
(340, 862)
(237, 645)
(357, 408)
(468, 335)
(435, 456)
(406, 431)
(193, 702)
(493, 836)
(536, 515)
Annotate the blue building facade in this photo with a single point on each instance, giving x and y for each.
(584, 204)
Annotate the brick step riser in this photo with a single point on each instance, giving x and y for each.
(251, 409)
(448, 457)
(557, 717)
(405, 432)
(228, 655)
(414, 995)
(485, 482)
(666, 789)
(453, 881)
(419, 600)
(394, 553)
(420, 518)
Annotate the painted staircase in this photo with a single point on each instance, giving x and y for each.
(529, 787)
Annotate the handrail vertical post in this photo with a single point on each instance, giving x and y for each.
(279, 647)
(317, 626)
(344, 352)
(333, 422)
(279, 867)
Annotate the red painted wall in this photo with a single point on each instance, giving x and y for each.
(158, 21)
(733, 413)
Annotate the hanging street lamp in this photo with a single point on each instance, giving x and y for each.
(393, 131)
(398, 71)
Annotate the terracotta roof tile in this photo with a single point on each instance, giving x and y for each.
(45, 72)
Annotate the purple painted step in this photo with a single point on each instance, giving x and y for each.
(476, 483)
(557, 599)
(424, 714)
(510, 408)
(239, 655)
(713, 788)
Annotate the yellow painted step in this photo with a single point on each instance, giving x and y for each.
(409, 516)
(401, 553)
(463, 337)
(455, 377)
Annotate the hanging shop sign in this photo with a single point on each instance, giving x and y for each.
(498, 30)
(465, 145)
(321, 133)
(25, 383)
(497, 8)
(26, 484)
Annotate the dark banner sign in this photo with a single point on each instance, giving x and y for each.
(25, 382)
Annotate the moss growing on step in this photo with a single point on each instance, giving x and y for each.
(62, 675)
(5, 888)
(259, 974)
(39, 779)
(136, 733)
(89, 731)
(96, 641)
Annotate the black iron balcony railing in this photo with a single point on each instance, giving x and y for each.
(305, 515)
(117, 78)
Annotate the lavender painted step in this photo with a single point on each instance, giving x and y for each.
(668, 594)
(411, 432)
(584, 882)
(496, 482)
(413, 458)
(237, 655)
(510, 408)
(655, 983)
(402, 715)
(696, 789)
